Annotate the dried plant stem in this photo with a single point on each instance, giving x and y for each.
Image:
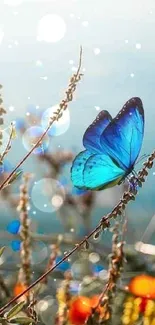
(8, 146)
(56, 116)
(54, 253)
(24, 276)
(63, 297)
(115, 267)
(2, 111)
(103, 224)
(31, 310)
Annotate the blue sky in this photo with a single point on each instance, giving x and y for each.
(118, 62)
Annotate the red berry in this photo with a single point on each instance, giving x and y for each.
(80, 310)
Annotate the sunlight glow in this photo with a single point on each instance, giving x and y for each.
(1, 35)
(13, 2)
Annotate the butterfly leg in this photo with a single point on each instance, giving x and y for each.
(133, 182)
(142, 157)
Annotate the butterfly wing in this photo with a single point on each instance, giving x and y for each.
(122, 138)
(78, 167)
(101, 172)
(91, 138)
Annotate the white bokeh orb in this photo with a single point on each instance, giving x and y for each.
(138, 46)
(31, 136)
(58, 127)
(47, 195)
(51, 28)
(97, 51)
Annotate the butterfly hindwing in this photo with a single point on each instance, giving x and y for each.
(78, 167)
(122, 139)
(91, 138)
(100, 171)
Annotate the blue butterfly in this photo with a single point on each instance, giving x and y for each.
(112, 147)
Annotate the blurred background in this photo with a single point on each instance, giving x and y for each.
(39, 51)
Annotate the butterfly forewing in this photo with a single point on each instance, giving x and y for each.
(122, 139)
(91, 138)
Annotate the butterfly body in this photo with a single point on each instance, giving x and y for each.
(112, 147)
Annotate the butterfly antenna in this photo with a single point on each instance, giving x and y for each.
(141, 158)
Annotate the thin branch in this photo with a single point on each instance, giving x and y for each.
(56, 116)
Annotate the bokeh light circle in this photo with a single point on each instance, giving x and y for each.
(47, 308)
(6, 167)
(64, 266)
(81, 268)
(51, 28)
(47, 195)
(20, 124)
(34, 113)
(103, 274)
(13, 227)
(31, 136)
(15, 245)
(39, 252)
(97, 268)
(58, 127)
(94, 257)
(90, 285)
